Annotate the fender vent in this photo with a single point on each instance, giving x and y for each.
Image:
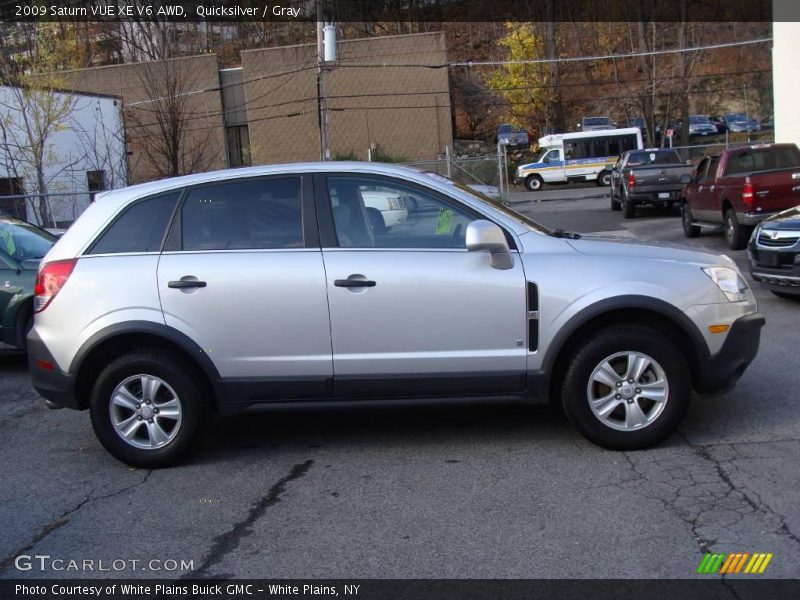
(533, 317)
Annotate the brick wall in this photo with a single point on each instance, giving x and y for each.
(403, 110)
(204, 137)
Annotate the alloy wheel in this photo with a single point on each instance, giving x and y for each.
(628, 391)
(145, 412)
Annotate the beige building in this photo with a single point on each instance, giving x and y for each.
(403, 111)
(267, 111)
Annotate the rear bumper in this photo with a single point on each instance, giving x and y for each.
(651, 197)
(753, 218)
(52, 384)
(722, 370)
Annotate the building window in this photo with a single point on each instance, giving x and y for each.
(238, 146)
(96, 182)
(12, 186)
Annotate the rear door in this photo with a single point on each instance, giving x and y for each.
(242, 275)
(413, 313)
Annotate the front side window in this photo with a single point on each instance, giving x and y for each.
(243, 215)
(371, 213)
(140, 228)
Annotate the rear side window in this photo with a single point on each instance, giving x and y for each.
(763, 159)
(140, 228)
(251, 214)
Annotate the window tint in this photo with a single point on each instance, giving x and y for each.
(370, 213)
(140, 228)
(763, 159)
(237, 215)
(654, 157)
(713, 163)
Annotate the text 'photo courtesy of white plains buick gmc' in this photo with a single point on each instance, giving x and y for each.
(357, 283)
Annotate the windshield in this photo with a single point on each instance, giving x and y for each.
(512, 214)
(597, 121)
(735, 117)
(654, 157)
(22, 240)
(699, 120)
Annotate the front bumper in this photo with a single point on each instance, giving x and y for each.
(52, 384)
(722, 370)
(781, 277)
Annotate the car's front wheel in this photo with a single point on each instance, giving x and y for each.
(534, 183)
(690, 230)
(147, 407)
(627, 388)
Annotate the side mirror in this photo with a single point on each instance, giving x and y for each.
(484, 235)
(686, 178)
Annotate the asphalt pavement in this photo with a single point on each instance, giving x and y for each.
(497, 491)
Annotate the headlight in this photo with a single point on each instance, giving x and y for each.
(756, 231)
(729, 282)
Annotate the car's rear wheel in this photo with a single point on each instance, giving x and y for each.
(690, 230)
(534, 183)
(615, 203)
(735, 234)
(627, 388)
(628, 208)
(604, 179)
(147, 407)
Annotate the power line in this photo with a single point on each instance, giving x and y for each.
(535, 61)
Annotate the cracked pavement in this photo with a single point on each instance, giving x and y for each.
(471, 491)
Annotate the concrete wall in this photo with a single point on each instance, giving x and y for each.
(137, 83)
(785, 80)
(403, 110)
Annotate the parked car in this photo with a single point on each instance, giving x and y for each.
(738, 122)
(253, 288)
(774, 253)
(596, 123)
(735, 190)
(509, 136)
(651, 176)
(22, 245)
(701, 125)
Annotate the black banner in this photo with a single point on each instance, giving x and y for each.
(417, 11)
(713, 588)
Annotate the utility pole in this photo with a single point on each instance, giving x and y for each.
(326, 53)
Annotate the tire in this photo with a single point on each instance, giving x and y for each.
(534, 183)
(786, 295)
(628, 208)
(604, 179)
(615, 204)
(735, 234)
(376, 220)
(172, 435)
(623, 427)
(690, 230)
(24, 325)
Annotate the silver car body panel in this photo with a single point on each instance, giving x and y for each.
(278, 313)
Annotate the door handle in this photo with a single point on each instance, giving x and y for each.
(183, 284)
(353, 283)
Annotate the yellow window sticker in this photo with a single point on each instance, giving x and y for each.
(445, 223)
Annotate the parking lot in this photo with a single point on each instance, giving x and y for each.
(468, 491)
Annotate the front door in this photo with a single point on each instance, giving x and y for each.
(243, 276)
(413, 313)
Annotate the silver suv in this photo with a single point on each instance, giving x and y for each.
(242, 290)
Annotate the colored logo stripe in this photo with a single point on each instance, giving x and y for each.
(719, 562)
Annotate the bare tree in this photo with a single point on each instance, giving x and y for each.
(162, 125)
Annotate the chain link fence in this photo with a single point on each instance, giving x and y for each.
(52, 211)
(486, 174)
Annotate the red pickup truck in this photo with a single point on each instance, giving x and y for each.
(739, 187)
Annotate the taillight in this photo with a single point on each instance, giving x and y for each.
(49, 280)
(631, 180)
(747, 193)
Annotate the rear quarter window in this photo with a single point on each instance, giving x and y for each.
(139, 228)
